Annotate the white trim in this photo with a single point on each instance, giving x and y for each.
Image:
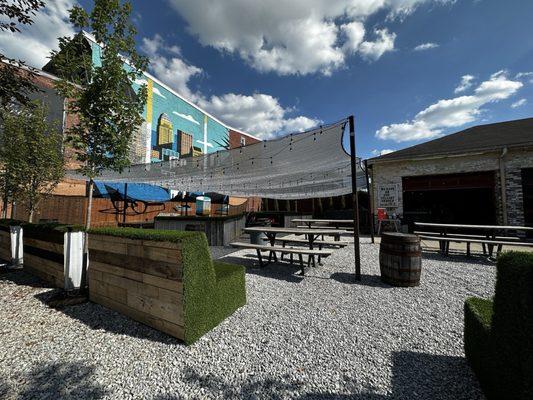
(90, 37)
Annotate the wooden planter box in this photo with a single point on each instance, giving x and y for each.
(43, 256)
(5, 243)
(141, 279)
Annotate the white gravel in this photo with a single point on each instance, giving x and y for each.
(318, 337)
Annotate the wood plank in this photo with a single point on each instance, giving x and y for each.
(148, 266)
(43, 264)
(155, 307)
(172, 329)
(113, 269)
(42, 244)
(108, 290)
(171, 285)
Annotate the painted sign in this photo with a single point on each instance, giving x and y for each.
(388, 195)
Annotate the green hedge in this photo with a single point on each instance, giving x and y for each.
(499, 339)
(212, 290)
(478, 319)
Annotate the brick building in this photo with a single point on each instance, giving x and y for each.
(481, 175)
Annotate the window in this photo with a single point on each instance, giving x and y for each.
(243, 141)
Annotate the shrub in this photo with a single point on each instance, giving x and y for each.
(512, 327)
(478, 319)
(499, 336)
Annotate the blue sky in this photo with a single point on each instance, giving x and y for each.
(270, 66)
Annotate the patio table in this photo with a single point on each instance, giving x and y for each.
(312, 234)
(337, 223)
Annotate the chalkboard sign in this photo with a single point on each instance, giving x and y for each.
(388, 195)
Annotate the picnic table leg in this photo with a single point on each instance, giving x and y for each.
(300, 257)
(484, 247)
(311, 239)
(282, 253)
(272, 239)
(468, 249)
(260, 258)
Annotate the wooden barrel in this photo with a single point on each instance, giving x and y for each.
(400, 259)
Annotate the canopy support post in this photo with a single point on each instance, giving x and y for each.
(355, 201)
(125, 203)
(370, 210)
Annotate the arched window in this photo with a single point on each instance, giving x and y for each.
(164, 131)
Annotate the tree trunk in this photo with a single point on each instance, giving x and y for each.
(5, 204)
(89, 206)
(83, 286)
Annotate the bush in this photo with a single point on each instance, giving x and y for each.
(212, 290)
(499, 338)
(478, 319)
(512, 325)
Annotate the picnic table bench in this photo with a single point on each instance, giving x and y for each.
(491, 237)
(316, 223)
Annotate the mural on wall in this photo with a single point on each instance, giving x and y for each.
(173, 128)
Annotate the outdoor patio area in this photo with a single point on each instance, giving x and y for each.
(318, 336)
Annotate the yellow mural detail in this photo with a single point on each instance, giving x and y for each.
(164, 131)
(149, 103)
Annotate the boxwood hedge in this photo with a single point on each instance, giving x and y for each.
(499, 336)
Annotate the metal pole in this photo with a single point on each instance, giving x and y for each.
(370, 214)
(355, 201)
(125, 203)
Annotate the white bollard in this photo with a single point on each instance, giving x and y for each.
(73, 259)
(17, 246)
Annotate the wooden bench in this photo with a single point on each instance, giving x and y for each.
(488, 242)
(319, 243)
(283, 250)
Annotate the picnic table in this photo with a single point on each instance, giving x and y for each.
(491, 236)
(311, 235)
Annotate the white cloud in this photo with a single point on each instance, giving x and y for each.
(188, 117)
(293, 36)
(34, 43)
(451, 113)
(426, 46)
(525, 75)
(377, 152)
(172, 70)
(259, 114)
(158, 92)
(374, 50)
(466, 83)
(519, 103)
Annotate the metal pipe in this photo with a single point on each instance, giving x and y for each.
(370, 213)
(355, 201)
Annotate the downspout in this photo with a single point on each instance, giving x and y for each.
(503, 185)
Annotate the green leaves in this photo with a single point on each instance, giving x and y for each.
(108, 110)
(31, 150)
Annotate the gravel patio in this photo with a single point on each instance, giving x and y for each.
(318, 337)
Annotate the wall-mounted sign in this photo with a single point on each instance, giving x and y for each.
(388, 195)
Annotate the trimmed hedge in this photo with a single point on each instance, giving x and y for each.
(212, 290)
(478, 319)
(499, 341)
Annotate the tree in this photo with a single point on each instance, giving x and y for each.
(101, 96)
(35, 164)
(16, 84)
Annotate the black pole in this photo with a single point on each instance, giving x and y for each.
(355, 201)
(370, 214)
(125, 203)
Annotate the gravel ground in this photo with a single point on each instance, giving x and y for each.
(321, 337)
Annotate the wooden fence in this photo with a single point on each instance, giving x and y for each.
(72, 210)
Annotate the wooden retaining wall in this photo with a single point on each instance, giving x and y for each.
(140, 279)
(43, 256)
(5, 244)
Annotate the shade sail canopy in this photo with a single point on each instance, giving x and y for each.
(297, 166)
(135, 191)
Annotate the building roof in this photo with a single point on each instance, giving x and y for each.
(517, 133)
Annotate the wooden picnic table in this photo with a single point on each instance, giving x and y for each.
(491, 232)
(335, 222)
(312, 234)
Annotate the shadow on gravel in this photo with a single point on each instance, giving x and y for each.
(23, 278)
(366, 280)
(57, 380)
(415, 376)
(96, 317)
(281, 271)
(478, 259)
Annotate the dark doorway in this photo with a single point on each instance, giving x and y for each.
(527, 187)
(452, 198)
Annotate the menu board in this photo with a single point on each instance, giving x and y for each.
(388, 195)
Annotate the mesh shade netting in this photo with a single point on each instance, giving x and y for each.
(297, 166)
